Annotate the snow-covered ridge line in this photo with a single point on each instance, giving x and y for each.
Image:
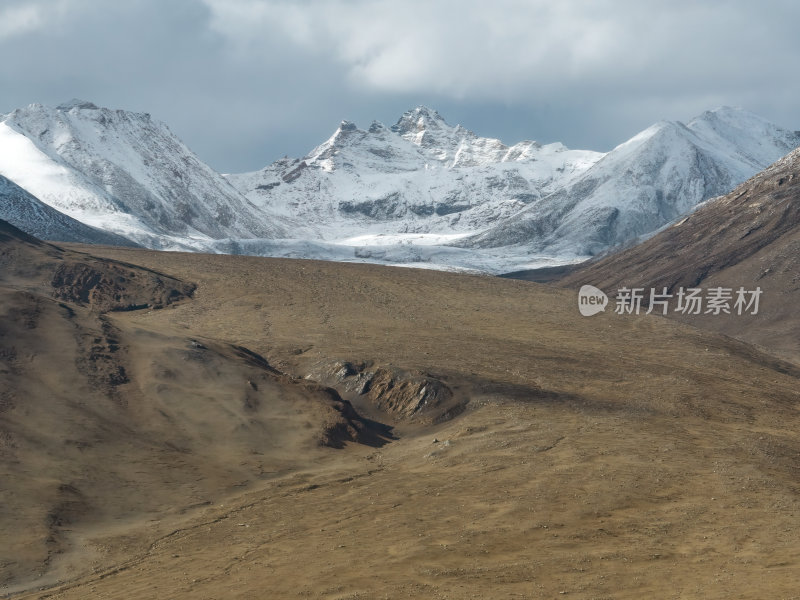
(418, 192)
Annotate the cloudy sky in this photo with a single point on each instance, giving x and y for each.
(244, 82)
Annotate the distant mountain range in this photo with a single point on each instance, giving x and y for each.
(420, 192)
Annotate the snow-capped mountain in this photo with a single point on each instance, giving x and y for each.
(421, 176)
(36, 218)
(125, 173)
(419, 192)
(645, 183)
(460, 147)
(424, 183)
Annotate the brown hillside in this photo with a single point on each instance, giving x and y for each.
(749, 238)
(533, 452)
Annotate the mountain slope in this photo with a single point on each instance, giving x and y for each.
(125, 173)
(36, 218)
(103, 424)
(645, 183)
(749, 238)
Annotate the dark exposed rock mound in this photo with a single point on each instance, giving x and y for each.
(402, 394)
(106, 286)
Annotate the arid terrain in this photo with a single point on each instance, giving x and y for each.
(749, 238)
(206, 426)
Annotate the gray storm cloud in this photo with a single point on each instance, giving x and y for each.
(245, 81)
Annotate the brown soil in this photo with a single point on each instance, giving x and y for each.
(492, 443)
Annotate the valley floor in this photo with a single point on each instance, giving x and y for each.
(514, 501)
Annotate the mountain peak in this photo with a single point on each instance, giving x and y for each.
(77, 103)
(123, 172)
(344, 132)
(418, 119)
(731, 116)
(727, 110)
(424, 111)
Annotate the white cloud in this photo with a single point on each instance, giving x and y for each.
(21, 17)
(19, 20)
(512, 48)
(243, 80)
